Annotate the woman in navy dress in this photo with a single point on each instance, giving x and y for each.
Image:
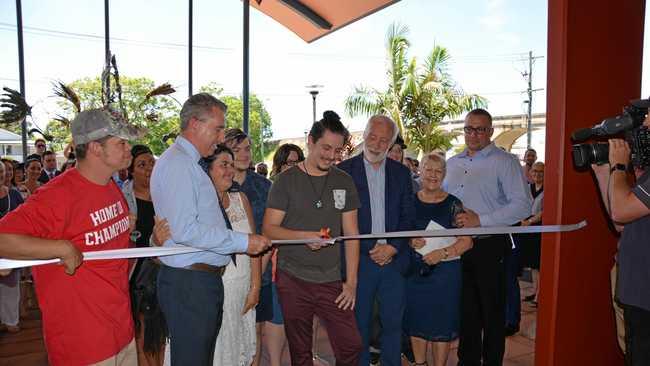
(434, 287)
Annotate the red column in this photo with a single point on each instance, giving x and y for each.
(594, 69)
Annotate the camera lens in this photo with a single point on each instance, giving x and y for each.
(586, 154)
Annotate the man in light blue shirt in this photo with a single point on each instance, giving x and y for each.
(190, 289)
(491, 185)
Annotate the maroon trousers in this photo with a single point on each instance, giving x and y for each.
(300, 301)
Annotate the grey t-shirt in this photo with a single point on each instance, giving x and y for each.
(296, 193)
(633, 286)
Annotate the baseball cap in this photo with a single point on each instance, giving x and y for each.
(94, 124)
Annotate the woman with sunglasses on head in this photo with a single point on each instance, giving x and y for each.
(433, 291)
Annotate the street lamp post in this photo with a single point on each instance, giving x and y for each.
(313, 90)
(314, 93)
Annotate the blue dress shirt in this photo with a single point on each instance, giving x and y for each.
(184, 195)
(377, 189)
(490, 183)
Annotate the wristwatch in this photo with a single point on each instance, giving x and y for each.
(446, 252)
(618, 166)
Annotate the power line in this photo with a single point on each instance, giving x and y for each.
(94, 37)
(507, 57)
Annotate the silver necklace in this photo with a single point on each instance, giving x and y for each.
(319, 198)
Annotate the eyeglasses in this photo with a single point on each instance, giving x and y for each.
(476, 130)
(40, 146)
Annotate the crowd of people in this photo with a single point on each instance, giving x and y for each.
(241, 296)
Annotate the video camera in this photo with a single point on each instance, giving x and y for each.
(630, 122)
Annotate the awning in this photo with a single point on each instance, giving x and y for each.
(312, 19)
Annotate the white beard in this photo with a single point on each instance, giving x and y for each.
(372, 158)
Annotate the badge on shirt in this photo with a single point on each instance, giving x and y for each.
(339, 198)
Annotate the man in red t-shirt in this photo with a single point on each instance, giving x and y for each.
(86, 310)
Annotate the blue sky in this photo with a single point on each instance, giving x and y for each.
(488, 41)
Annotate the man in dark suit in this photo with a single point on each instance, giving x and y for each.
(49, 167)
(387, 204)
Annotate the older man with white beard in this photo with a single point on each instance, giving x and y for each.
(382, 264)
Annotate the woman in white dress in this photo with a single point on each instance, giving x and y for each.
(236, 343)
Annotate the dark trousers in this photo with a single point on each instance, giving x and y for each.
(192, 302)
(300, 301)
(387, 286)
(637, 336)
(482, 333)
(375, 327)
(513, 295)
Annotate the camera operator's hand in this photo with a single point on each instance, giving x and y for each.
(619, 152)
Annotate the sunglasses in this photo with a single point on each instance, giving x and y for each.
(476, 130)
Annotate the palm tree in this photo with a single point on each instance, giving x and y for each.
(418, 98)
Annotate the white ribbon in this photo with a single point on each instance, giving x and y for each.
(175, 250)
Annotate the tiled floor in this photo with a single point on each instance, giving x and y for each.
(520, 348)
(26, 348)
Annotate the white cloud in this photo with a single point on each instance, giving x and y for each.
(494, 17)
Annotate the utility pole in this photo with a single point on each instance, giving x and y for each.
(529, 117)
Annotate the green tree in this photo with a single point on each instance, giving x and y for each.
(417, 98)
(259, 124)
(159, 115)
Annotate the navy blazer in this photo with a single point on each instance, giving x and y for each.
(399, 204)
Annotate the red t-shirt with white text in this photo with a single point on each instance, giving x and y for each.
(86, 316)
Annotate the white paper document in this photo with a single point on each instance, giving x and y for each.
(436, 243)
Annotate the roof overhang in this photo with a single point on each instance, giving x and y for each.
(313, 19)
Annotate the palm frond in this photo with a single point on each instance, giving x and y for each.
(410, 87)
(65, 122)
(397, 46)
(436, 65)
(16, 105)
(164, 89)
(362, 101)
(67, 93)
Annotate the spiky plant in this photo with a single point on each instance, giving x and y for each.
(16, 106)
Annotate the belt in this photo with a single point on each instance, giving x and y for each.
(203, 267)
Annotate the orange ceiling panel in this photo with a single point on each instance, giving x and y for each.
(302, 16)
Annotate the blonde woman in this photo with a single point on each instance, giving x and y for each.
(433, 291)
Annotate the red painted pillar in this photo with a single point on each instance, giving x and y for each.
(594, 69)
